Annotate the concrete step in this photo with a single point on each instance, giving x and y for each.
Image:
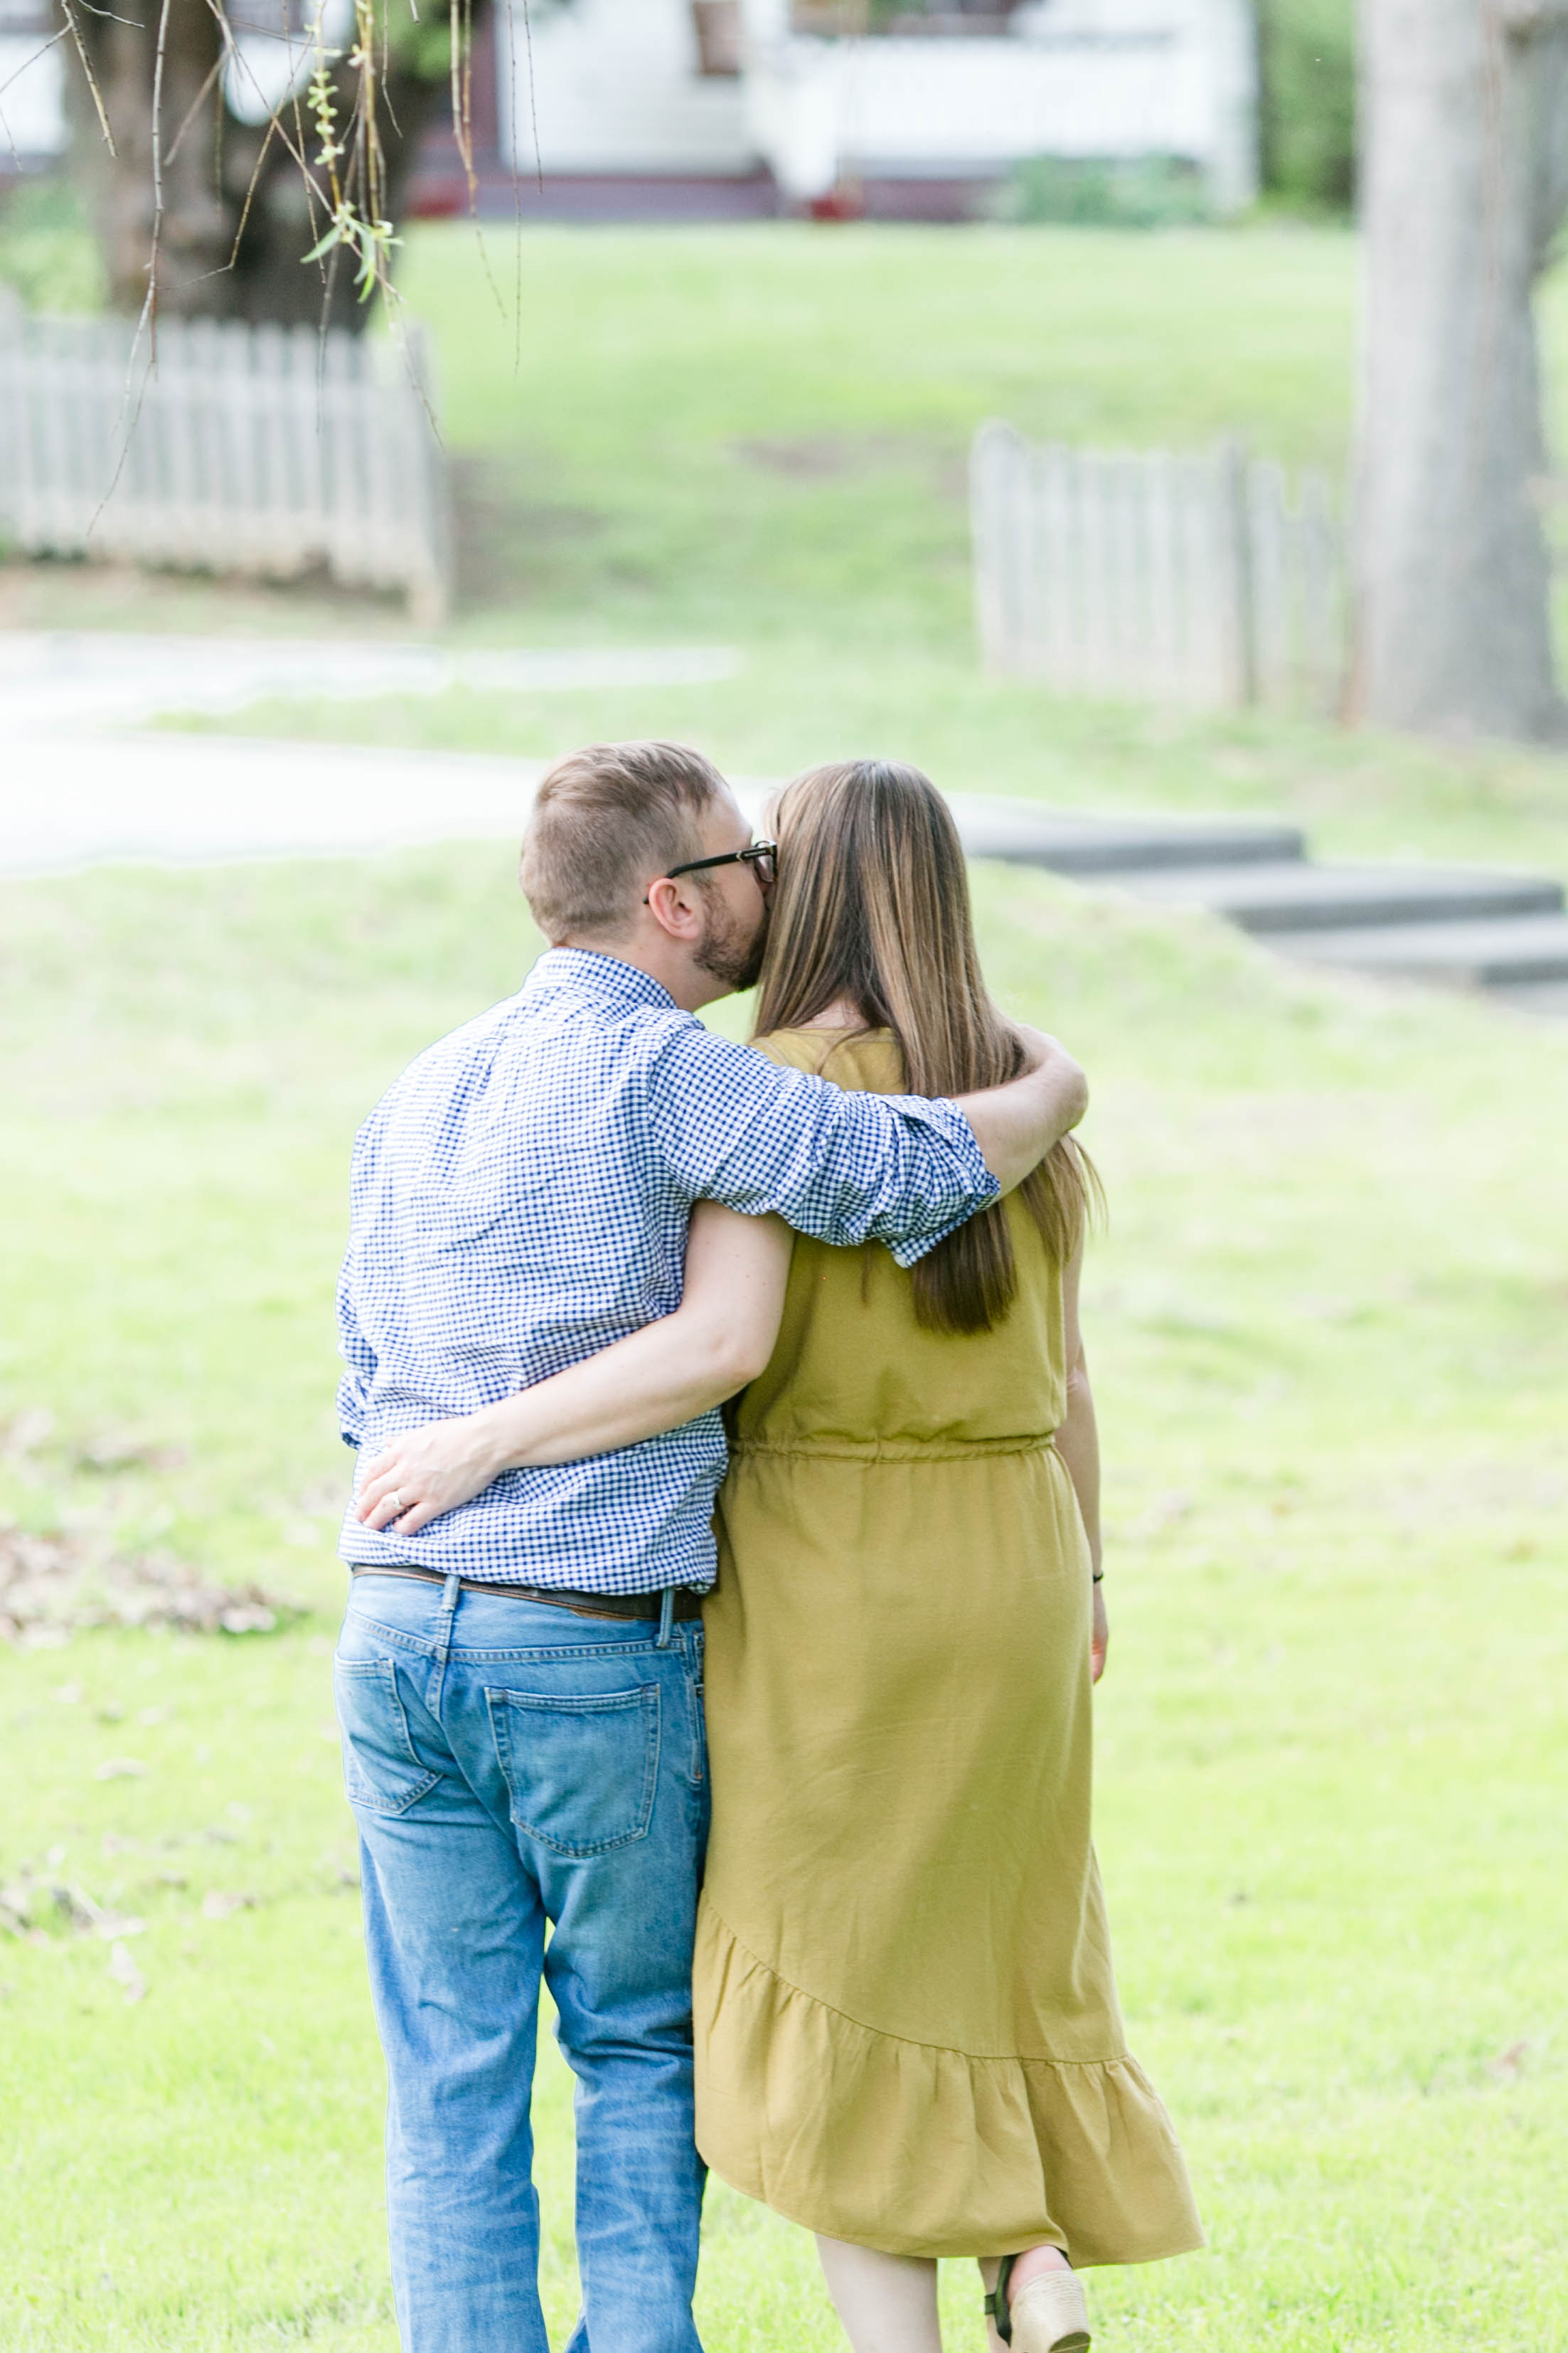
(1546, 999)
(1295, 896)
(1464, 926)
(1069, 841)
(1506, 952)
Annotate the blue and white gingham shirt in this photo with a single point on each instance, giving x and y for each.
(519, 1200)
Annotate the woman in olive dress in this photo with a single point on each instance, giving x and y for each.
(907, 2030)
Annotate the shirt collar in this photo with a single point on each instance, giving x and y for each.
(604, 978)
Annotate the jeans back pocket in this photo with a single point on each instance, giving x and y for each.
(382, 1770)
(582, 1769)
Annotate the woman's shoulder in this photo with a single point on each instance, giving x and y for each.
(866, 1059)
(798, 1049)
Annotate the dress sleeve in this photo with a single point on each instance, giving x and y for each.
(732, 1125)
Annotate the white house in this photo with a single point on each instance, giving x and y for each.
(726, 88)
(714, 108)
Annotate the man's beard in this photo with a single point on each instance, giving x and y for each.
(732, 951)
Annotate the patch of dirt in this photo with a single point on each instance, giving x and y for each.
(46, 592)
(33, 1905)
(804, 457)
(507, 544)
(53, 1586)
(829, 457)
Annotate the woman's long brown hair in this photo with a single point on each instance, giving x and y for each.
(871, 905)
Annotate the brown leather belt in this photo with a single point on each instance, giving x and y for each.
(688, 1604)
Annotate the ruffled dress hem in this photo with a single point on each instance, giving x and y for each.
(846, 2130)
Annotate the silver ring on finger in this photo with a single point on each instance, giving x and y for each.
(398, 1505)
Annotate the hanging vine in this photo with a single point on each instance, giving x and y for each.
(231, 148)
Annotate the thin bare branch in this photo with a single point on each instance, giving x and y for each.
(462, 125)
(532, 113)
(251, 187)
(274, 128)
(164, 14)
(193, 108)
(80, 47)
(130, 417)
(28, 63)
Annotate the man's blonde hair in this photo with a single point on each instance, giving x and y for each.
(606, 821)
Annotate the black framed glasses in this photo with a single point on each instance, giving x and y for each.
(761, 855)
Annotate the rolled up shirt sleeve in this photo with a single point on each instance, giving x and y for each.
(844, 1166)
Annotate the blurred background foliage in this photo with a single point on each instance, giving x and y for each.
(48, 255)
(1307, 126)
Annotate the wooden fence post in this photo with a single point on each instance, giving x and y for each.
(1236, 509)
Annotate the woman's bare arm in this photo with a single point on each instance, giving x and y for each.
(718, 1339)
(1077, 1444)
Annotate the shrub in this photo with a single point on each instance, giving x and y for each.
(46, 250)
(1142, 192)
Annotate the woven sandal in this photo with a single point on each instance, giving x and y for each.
(1047, 2315)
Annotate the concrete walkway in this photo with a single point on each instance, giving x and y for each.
(80, 785)
(54, 677)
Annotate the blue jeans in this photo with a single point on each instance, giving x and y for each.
(510, 1764)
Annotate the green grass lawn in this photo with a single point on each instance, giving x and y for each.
(1326, 1324)
(759, 428)
(1326, 1333)
(757, 437)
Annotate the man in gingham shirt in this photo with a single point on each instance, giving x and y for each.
(519, 1680)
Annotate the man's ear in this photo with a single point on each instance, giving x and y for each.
(673, 910)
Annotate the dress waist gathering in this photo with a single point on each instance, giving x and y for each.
(892, 1450)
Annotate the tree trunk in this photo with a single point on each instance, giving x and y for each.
(1464, 104)
(207, 267)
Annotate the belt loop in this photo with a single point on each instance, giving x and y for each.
(665, 1617)
(451, 1587)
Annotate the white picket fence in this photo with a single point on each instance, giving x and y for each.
(266, 450)
(1196, 579)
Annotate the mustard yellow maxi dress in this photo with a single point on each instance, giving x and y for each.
(906, 2019)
